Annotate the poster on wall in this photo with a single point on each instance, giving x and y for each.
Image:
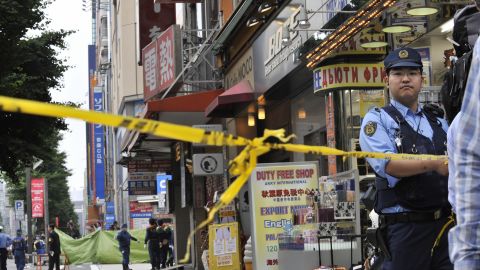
(224, 242)
(276, 191)
(427, 65)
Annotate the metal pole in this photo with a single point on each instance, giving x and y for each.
(28, 180)
(45, 218)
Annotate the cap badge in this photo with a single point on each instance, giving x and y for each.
(403, 54)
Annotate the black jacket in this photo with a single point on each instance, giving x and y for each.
(54, 242)
(152, 235)
(124, 238)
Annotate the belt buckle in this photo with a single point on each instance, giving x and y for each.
(437, 214)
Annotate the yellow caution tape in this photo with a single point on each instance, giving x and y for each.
(242, 166)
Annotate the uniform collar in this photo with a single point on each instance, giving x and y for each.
(404, 110)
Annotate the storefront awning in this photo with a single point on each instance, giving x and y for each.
(183, 110)
(225, 105)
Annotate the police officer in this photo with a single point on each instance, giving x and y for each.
(5, 241)
(54, 246)
(124, 238)
(411, 194)
(152, 240)
(19, 247)
(164, 234)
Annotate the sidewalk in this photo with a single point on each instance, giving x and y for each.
(139, 266)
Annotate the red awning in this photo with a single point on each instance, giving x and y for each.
(196, 102)
(226, 104)
(183, 110)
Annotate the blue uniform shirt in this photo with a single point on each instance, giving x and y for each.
(5, 240)
(383, 139)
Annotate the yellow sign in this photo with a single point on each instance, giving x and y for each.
(344, 76)
(277, 191)
(223, 251)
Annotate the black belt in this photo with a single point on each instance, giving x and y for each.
(404, 217)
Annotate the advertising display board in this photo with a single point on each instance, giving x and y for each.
(277, 190)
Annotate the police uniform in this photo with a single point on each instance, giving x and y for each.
(124, 239)
(54, 252)
(413, 210)
(5, 241)
(19, 247)
(152, 240)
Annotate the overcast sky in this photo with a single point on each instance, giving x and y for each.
(68, 15)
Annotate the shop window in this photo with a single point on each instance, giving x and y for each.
(308, 124)
(357, 104)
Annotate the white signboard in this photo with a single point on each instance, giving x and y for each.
(19, 210)
(207, 164)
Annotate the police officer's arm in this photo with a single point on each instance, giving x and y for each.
(374, 138)
(133, 238)
(147, 236)
(405, 168)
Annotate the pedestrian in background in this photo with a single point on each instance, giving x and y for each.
(124, 238)
(54, 246)
(5, 241)
(152, 241)
(165, 234)
(114, 226)
(19, 247)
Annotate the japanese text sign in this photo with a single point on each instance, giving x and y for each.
(162, 62)
(37, 189)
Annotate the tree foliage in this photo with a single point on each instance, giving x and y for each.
(30, 69)
(56, 173)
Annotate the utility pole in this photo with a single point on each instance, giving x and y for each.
(28, 180)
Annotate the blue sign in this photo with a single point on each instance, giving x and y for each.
(141, 215)
(110, 208)
(162, 182)
(99, 148)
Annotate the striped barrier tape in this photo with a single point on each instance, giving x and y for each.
(241, 166)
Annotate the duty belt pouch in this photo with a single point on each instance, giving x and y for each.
(377, 237)
(368, 198)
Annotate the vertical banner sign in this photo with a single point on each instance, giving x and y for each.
(99, 146)
(37, 191)
(330, 114)
(277, 190)
(162, 192)
(162, 62)
(90, 140)
(223, 252)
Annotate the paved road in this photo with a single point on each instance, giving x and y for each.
(144, 266)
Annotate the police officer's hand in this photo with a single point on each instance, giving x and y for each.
(441, 167)
(144, 246)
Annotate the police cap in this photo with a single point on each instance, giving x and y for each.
(403, 57)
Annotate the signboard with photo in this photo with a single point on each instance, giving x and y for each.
(276, 191)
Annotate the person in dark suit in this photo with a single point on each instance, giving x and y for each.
(54, 248)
